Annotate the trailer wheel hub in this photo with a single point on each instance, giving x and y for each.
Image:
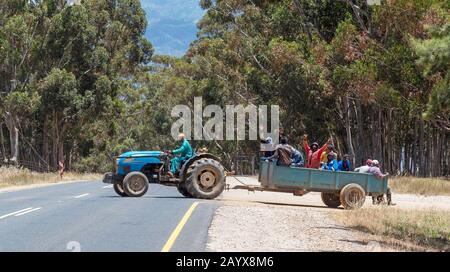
(207, 179)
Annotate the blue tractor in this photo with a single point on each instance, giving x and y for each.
(201, 176)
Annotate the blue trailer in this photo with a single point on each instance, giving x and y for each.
(348, 189)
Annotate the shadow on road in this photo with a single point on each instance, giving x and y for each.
(334, 227)
(168, 197)
(354, 242)
(293, 205)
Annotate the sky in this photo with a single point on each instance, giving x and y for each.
(172, 24)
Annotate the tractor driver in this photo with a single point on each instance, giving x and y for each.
(185, 152)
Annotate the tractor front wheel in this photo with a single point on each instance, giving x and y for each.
(118, 188)
(135, 184)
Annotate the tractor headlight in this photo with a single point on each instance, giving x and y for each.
(116, 165)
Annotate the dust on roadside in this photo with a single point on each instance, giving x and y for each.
(240, 226)
(269, 221)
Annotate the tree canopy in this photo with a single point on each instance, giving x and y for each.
(81, 84)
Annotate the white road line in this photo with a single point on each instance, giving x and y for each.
(78, 196)
(107, 186)
(13, 213)
(35, 209)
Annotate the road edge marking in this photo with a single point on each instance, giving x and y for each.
(83, 195)
(172, 238)
(16, 212)
(32, 210)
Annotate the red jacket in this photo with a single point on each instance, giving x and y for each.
(313, 160)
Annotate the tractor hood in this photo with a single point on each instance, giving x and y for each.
(135, 154)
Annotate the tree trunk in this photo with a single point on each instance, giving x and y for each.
(414, 148)
(406, 160)
(421, 148)
(59, 129)
(383, 157)
(60, 151)
(362, 147)
(445, 154)
(376, 135)
(435, 155)
(348, 129)
(429, 160)
(55, 140)
(11, 121)
(45, 151)
(2, 140)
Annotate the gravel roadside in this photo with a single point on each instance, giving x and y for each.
(268, 221)
(259, 227)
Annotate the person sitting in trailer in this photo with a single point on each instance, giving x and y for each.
(297, 158)
(283, 153)
(267, 147)
(331, 164)
(313, 152)
(364, 168)
(376, 171)
(344, 164)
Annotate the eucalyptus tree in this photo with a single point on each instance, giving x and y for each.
(66, 64)
(20, 36)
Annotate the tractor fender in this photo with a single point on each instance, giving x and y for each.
(193, 159)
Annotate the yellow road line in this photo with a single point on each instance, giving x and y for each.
(178, 229)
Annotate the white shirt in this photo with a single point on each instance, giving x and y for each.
(362, 169)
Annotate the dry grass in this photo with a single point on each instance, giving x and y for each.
(13, 176)
(421, 186)
(407, 229)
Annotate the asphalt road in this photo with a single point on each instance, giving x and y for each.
(89, 216)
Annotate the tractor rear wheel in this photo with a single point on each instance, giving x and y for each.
(205, 179)
(352, 196)
(183, 190)
(118, 188)
(135, 184)
(331, 199)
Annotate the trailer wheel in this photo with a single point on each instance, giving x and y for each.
(332, 200)
(135, 184)
(205, 179)
(181, 187)
(118, 188)
(352, 196)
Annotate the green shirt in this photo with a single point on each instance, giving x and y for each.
(184, 150)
